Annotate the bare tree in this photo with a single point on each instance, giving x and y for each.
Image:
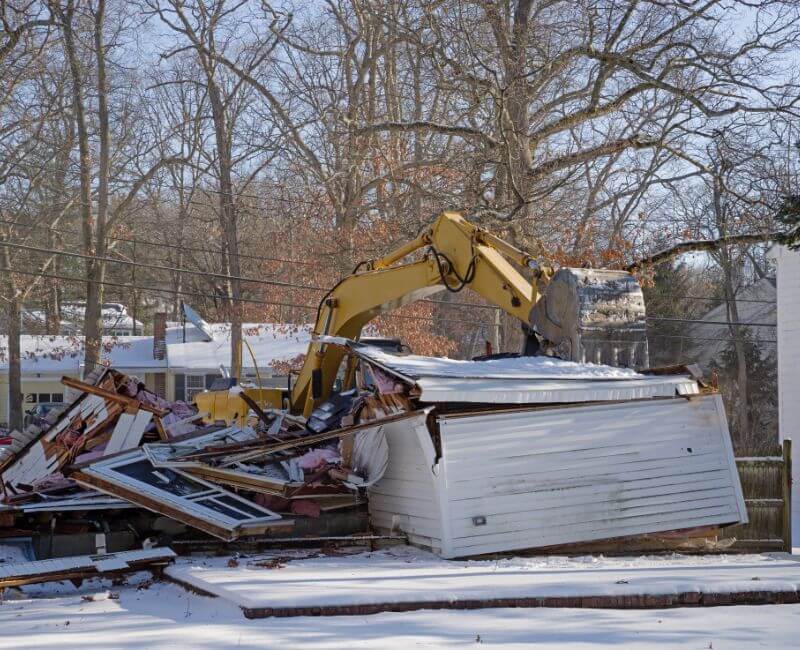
(24, 114)
(88, 35)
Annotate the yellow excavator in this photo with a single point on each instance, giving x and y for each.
(585, 315)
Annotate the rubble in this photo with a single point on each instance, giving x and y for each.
(82, 567)
(460, 457)
(118, 446)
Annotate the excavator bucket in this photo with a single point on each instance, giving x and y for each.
(593, 315)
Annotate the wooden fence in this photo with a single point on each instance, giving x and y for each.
(766, 483)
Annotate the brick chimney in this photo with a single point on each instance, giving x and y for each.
(160, 335)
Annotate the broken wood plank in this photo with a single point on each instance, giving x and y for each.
(255, 407)
(81, 567)
(128, 432)
(317, 438)
(123, 399)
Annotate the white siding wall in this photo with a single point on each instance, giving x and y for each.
(407, 498)
(788, 278)
(556, 476)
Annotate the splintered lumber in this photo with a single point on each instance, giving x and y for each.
(306, 441)
(122, 399)
(256, 408)
(128, 431)
(80, 567)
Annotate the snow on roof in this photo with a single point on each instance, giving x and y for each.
(64, 354)
(131, 352)
(416, 367)
(46, 354)
(270, 342)
(525, 380)
(177, 333)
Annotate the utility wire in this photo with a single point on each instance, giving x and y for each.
(171, 292)
(707, 322)
(158, 267)
(293, 285)
(145, 242)
(205, 295)
(703, 338)
(709, 298)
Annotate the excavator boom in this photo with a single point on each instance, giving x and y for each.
(458, 255)
(577, 314)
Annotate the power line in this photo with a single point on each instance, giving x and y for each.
(145, 242)
(703, 338)
(158, 267)
(172, 292)
(311, 287)
(205, 295)
(708, 322)
(709, 298)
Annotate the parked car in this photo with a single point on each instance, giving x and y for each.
(38, 413)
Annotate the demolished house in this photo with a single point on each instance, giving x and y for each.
(531, 452)
(460, 457)
(119, 446)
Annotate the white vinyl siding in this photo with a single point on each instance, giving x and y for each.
(547, 476)
(558, 476)
(407, 499)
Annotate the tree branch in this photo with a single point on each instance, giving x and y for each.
(707, 245)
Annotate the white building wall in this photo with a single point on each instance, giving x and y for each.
(536, 478)
(788, 278)
(407, 498)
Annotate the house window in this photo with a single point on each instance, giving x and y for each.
(41, 398)
(187, 386)
(194, 384)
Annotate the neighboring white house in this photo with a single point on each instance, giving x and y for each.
(194, 362)
(190, 362)
(755, 304)
(788, 278)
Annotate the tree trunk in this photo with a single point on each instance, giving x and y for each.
(227, 207)
(517, 100)
(14, 314)
(96, 269)
(737, 332)
(92, 327)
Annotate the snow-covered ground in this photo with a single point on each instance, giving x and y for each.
(146, 614)
(408, 574)
(165, 616)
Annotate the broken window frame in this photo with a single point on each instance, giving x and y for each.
(191, 509)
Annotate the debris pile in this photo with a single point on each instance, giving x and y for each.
(118, 446)
(460, 457)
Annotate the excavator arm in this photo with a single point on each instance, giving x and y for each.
(579, 314)
(458, 254)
